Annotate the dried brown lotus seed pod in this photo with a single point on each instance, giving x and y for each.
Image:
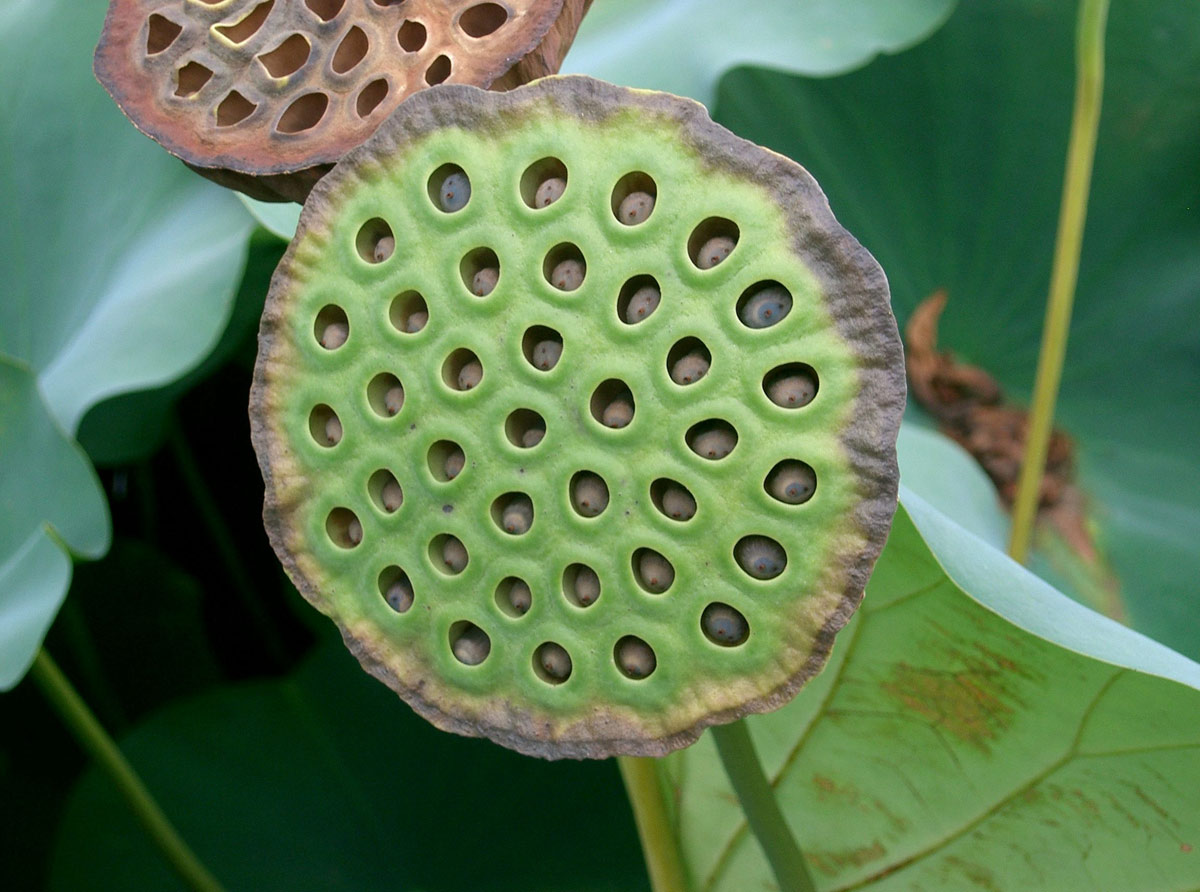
(264, 96)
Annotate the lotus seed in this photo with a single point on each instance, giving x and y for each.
(517, 515)
(532, 437)
(333, 430)
(393, 400)
(690, 367)
(635, 658)
(354, 531)
(619, 412)
(677, 503)
(635, 208)
(766, 308)
(567, 275)
(792, 391)
(643, 302)
(454, 554)
(761, 557)
(484, 281)
(455, 460)
(555, 661)
(472, 646)
(587, 586)
(550, 191)
(334, 335)
(714, 444)
(655, 572)
(714, 251)
(400, 594)
(724, 625)
(470, 374)
(589, 495)
(519, 596)
(416, 321)
(792, 482)
(546, 354)
(456, 192)
(384, 248)
(392, 496)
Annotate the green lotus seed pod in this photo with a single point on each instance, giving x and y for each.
(393, 399)
(714, 251)
(392, 496)
(470, 375)
(635, 208)
(400, 594)
(567, 275)
(416, 321)
(546, 354)
(455, 192)
(335, 335)
(766, 307)
(792, 391)
(792, 481)
(555, 680)
(760, 557)
(550, 191)
(589, 494)
(384, 248)
(333, 430)
(517, 516)
(689, 368)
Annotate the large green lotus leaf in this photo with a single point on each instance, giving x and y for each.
(324, 781)
(974, 729)
(683, 46)
(947, 162)
(119, 267)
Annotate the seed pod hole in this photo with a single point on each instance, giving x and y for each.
(160, 33)
(483, 19)
(581, 585)
(589, 494)
(633, 198)
(331, 327)
(448, 555)
(446, 460)
(724, 625)
(543, 183)
(287, 58)
(652, 571)
(352, 50)
(469, 643)
(542, 347)
(449, 188)
(712, 439)
(385, 395)
(792, 482)
(552, 663)
(764, 304)
(513, 596)
(462, 370)
(634, 657)
(385, 491)
(639, 298)
(344, 528)
(438, 71)
(408, 312)
(791, 386)
(234, 109)
(760, 556)
(564, 267)
(191, 78)
(712, 241)
(513, 513)
(411, 36)
(480, 270)
(396, 589)
(324, 426)
(375, 242)
(673, 499)
(524, 428)
(303, 114)
(325, 10)
(371, 96)
(688, 361)
(247, 26)
(612, 404)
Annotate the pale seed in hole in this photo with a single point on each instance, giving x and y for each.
(724, 625)
(400, 594)
(655, 572)
(484, 281)
(635, 658)
(334, 335)
(549, 192)
(678, 503)
(589, 495)
(384, 248)
(416, 321)
(643, 302)
(532, 437)
(546, 354)
(714, 444)
(766, 308)
(354, 531)
(470, 375)
(454, 462)
(618, 413)
(567, 275)
(689, 368)
(454, 554)
(761, 557)
(555, 661)
(392, 496)
(587, 586)
(792, 391)
(792, 483)
(455, 192)
(519, 596)
(393, 400)
(635, 208)
(517, 516)
(333, 430)
(714, 251)
(472, 646)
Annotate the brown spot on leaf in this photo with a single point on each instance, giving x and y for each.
(967, 703)
(833, 861)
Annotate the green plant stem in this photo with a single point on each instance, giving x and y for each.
(1081, 150)
(103, 749)
(759, 805)
(663, 862)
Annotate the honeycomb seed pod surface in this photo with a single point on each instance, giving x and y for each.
(265, 95)
(594, 699)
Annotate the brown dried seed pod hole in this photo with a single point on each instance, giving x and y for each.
(287, 58)
(483, 19)
(411, 36)
(351, 51)
(371, 96)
